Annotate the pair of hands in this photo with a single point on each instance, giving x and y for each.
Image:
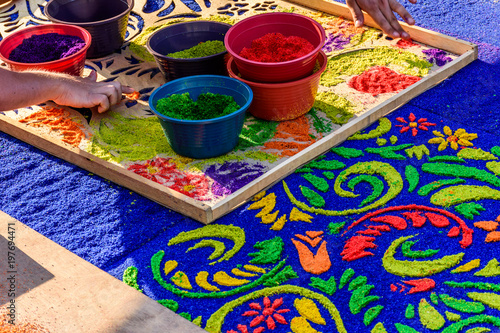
(382, 12)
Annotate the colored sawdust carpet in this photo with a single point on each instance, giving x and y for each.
(395, 230)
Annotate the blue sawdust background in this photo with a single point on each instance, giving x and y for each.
(114, 228)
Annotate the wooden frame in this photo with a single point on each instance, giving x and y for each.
(206, 214)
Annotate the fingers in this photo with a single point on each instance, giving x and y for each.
(127, 90)
(101, 101)
(383, 18)
(393, 27)
(382, 12)
(115, 92)
(357, 14)
(92, 76)
(401, 10)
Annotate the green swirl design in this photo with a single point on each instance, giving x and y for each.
(236, 234)
(384, 170)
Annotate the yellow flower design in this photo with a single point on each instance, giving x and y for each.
(459, 138)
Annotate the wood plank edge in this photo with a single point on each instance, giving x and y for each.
(270, 178)
(145, 187)
(419, 34)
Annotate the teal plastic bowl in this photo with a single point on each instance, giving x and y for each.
(204, 138)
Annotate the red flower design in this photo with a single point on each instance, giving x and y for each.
(192, 185)
(269, 314)
(414, 125)
(164, 171)
(159, 170)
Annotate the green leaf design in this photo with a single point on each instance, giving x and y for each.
(417, 151)
(389, 152)
(270, 251)
(314, 198)
(329, 286)
(468, 210)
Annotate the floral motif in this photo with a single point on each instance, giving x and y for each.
(490, 226)
(164, 171)
(160, 170)
(335, 42)
(421, 124)
(192, 185)
(270, 315)
(460, 137)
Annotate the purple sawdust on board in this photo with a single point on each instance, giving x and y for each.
(46, 47)
(437, 56)
(335, 42)
(232, 176)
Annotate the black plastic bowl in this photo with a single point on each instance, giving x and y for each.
(182, 36)
(105, 20)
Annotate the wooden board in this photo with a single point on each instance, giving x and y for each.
(116, 67)
(61, 292)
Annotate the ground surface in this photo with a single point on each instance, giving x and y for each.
(118, 230)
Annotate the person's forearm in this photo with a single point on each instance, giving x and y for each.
(25, 88)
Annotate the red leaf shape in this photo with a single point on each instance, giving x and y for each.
(243, 328)
(250, 313)
(396, 221)
(255, 306)
(277, 302)
(415, 217)
(454, 232)
(380, 227)
(355, 247)
(420, 285)
(267, 302)
(280, 319)
(436, 220)
(259, 330)
(256, 321)
(270, 323)
(369, 232)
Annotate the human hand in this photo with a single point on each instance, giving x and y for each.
(81, 92)
(382, 12)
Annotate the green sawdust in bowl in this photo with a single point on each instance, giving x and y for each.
(207, 106)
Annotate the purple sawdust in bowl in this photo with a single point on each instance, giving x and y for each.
(46, 47)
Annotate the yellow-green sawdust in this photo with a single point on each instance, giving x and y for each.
(491, 269)
(416, 268)
(476, 154)
(338, 109)
(356, 63)
(118, 138)
(384, 126)
(430, 318)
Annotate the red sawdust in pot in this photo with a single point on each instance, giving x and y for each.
(379, 80)
(275, 47)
